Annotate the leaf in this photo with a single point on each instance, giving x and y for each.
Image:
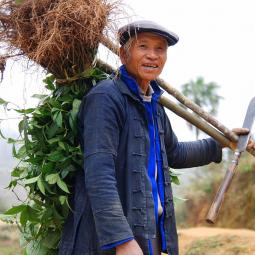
(21, 126)
(52, 130)
(56, 214)
(38, 204)
(35, 247)
(73, 115)
(63, 145)
(22, 243)
(48, 167)
(174, 172)
(15, 210)
(47, 187)
(62, 199)
(3, 102)
(31, 180)
(53, 140)
(10, 140)
(16, 172)
(49, 81)
(1, 134)
(38, 112)
(14, 153)
(23, 217)
(56, 156)
(67, 170)
(76, 105)
(51, 240)
(39, 96)
(32, 214)
(72, 122)
(179, 199)
(175, 180)
(62, 185)
(41, 186)
(174, 176)
(25, 111)
(52, 178)
(57, 117)
(67, 99)
(22, 152)
(68, 204)
(12, 184)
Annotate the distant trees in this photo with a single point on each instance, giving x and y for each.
(203, 94)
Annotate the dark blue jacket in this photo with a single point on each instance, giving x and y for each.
(113, 199)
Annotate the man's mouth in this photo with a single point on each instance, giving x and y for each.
(150, 66)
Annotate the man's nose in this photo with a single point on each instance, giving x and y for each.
(152, 54)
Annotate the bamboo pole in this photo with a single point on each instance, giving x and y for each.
(196, 121)
(181, 112)
(182, 99)
(197, 109)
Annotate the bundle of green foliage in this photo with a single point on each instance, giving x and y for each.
(48, 154)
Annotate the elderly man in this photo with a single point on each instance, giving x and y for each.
(123, 202)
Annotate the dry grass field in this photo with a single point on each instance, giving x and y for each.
(9, 240)
(193, 241)
(216, 241)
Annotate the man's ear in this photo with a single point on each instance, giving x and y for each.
(123, 55)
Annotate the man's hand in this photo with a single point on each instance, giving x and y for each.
(251, 144)
(251, 147)
(129, 248)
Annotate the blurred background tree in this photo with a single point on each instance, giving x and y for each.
(203, 94)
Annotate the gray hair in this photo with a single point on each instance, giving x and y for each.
(128, 44)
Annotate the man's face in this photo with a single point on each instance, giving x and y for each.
(146, 57)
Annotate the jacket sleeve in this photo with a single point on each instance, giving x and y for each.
(112, 245)
(189, 154)
(103, 117)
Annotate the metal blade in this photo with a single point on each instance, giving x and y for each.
(248, 121)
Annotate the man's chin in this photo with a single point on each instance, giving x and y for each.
(152, 77)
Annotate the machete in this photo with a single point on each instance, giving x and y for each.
(241, 146)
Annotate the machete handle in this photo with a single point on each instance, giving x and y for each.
(218, 200)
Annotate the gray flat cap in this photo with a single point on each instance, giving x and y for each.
(136, 27)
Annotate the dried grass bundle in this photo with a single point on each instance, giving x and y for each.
(60, 35)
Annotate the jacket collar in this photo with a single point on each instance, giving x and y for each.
(129, 86)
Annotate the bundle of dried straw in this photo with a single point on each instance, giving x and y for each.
(60, 35)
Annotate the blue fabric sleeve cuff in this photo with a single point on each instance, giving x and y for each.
(112, 245)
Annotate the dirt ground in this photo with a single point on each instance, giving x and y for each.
(216, 241)
(192, 241)
(9, 240)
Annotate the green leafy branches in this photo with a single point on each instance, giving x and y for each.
(49, 154)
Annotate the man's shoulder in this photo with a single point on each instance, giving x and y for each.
(106, 90)
(106, 87)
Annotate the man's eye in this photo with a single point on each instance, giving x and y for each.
(161, 48)
(142, 46)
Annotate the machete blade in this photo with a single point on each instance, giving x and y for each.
(248, 122)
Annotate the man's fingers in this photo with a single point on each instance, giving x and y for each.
(251, 144)
(241, 131)
(251, 147)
